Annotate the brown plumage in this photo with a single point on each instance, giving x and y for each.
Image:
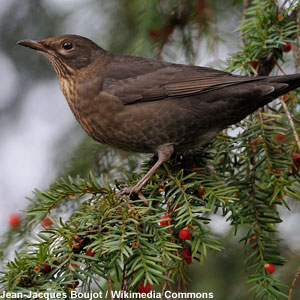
(146, 105)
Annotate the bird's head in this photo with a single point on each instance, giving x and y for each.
(66, 53)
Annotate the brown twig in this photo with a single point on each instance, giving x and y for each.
(294, 283)
(178, 277)
(110, 288)
(165, 286)
(279, 67)
(124, 280)
(170, 289)
(291, 122)
(298, 40)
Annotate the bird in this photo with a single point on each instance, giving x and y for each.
(146, 105)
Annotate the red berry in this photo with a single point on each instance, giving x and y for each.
(277, 172)
(201, 193)
(154, 34)
(14, 220)
(254, 64)
(90, 252)
(251, 240)
(75, 246)
(296, 160)
(270, 268)
(188, 260)
(187, 254)
(279, 137)
(74, 285)
(185, 234)
(284, 97)
(287, 47)
(144, 288)
(74, 266)
(46, 268)
(164, 223)
(46, 222)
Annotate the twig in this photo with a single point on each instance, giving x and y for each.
(124, 280)
(164, 287)
(110, 288)
(298, 40)
(291, 122)
(245, 7)
(178, 278)
(279, 67)
(170, 289)
(294, 283)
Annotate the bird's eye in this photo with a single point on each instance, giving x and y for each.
(67, 45)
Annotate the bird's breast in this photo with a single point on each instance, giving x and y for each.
(67, 87)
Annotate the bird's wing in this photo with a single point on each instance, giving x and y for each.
(150, 80)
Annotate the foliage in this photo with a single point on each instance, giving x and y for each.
(245, 177)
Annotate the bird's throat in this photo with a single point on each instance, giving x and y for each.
(67, 86)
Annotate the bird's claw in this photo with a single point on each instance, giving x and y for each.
(129, 190)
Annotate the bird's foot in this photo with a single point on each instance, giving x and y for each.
(129, 190)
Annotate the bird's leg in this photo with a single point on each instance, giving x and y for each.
(164, 153)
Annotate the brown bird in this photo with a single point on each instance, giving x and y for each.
(150, 106)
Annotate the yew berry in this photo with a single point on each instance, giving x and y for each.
(201, 193)
(277, 172)
(254, 64)
(154, 34)
(73, 285)
(14, 220)
(46, 222)
(270, 268)
(75, 246)
(144, 288)
(46, 268)
(187, 254)
(185, 234)
(284, 97)
(296, 160)
(164, 223)
(74, 266)
(251, 240)
(90, 252)
(279, 137)
(287, 47)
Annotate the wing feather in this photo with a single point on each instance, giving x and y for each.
(150, 80)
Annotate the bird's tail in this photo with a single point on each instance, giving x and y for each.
(285, 83)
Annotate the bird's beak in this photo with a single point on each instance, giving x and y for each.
(36, 45)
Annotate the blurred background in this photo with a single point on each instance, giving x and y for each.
(40, 139)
